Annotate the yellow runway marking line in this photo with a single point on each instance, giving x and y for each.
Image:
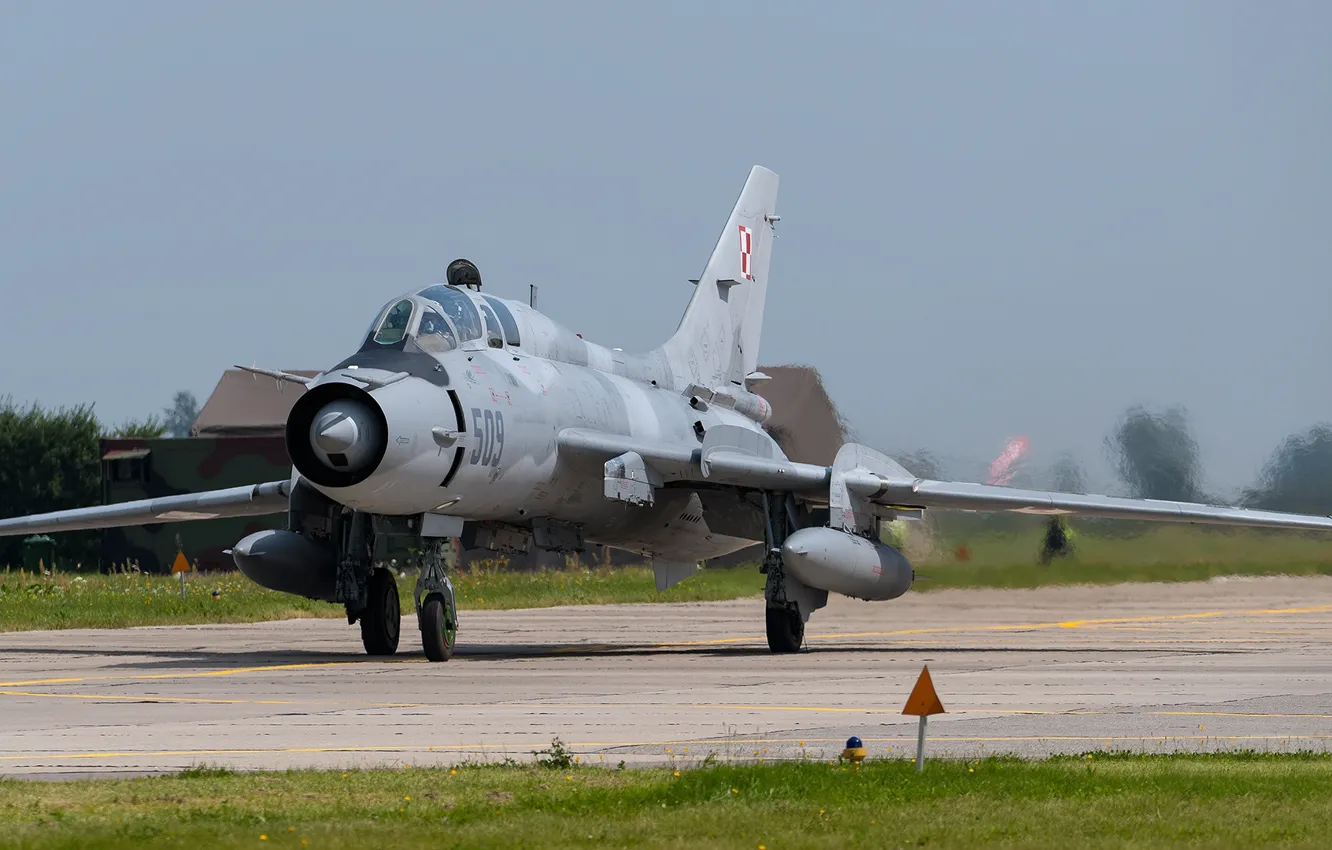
(1185, 641)
(218, 701)
(526, 706)
(1088, 641)
(1031, 627)
(205, 674)
(981, 629)
(510, 747)
(589, 647)
(661, 706)
(1131, 713)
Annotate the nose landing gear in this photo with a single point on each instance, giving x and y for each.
(436, 613)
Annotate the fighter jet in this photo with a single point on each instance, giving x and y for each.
(465, 416)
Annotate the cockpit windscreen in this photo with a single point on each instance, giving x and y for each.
(393, 327)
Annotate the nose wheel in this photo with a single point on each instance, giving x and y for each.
(436, 613)
(381, 621)
(439, 630)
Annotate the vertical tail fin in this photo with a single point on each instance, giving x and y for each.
(717, 342)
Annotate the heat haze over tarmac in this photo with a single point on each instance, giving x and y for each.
(1228, 664)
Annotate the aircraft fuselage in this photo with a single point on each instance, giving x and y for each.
(506, 408)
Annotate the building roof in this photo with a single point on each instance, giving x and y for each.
(247, 405)
(805, 422)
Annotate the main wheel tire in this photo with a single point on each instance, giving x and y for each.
(381, 621)
(437, 636)
(786, 631)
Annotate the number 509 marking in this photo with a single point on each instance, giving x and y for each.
(488, 425)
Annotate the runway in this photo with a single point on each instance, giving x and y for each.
(1228, 664)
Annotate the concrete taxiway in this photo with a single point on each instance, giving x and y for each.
(1228, 664)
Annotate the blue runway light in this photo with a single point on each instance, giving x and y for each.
(855, 751)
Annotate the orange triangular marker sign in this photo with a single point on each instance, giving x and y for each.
(181, 565)
(923, 700)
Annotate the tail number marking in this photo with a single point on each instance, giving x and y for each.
(488, 444)
(746, 246)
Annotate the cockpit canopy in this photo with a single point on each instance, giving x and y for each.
(434, 334)
(494, 322)
(440, 318)
(458, 308)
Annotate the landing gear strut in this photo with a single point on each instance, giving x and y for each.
(789, 602)
(436, 613)
(381, 619)
(370, 593)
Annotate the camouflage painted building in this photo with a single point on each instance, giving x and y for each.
(238, 440)
(147, 469)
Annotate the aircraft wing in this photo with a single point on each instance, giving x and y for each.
(250, 500)
(867, 477)
(980, 497)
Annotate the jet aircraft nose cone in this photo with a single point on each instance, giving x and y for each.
(335, 432)
(346, 435)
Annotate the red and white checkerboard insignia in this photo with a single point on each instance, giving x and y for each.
(746, 245)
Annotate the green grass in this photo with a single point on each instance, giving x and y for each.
(1008, 558)
(491, 587)
(1231, 800)
(1000, 555)
(73, 600)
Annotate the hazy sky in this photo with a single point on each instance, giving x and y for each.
(997, 218)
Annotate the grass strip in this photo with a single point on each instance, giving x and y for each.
(94, 600)
(1101, 800)
(984, 559)
(1155, 554)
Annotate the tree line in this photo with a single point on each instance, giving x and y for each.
(50, 461)
(1155, 456)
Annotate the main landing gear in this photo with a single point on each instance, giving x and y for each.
(369, 592)
(381, 619)
(786, 630)
(789, 601)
